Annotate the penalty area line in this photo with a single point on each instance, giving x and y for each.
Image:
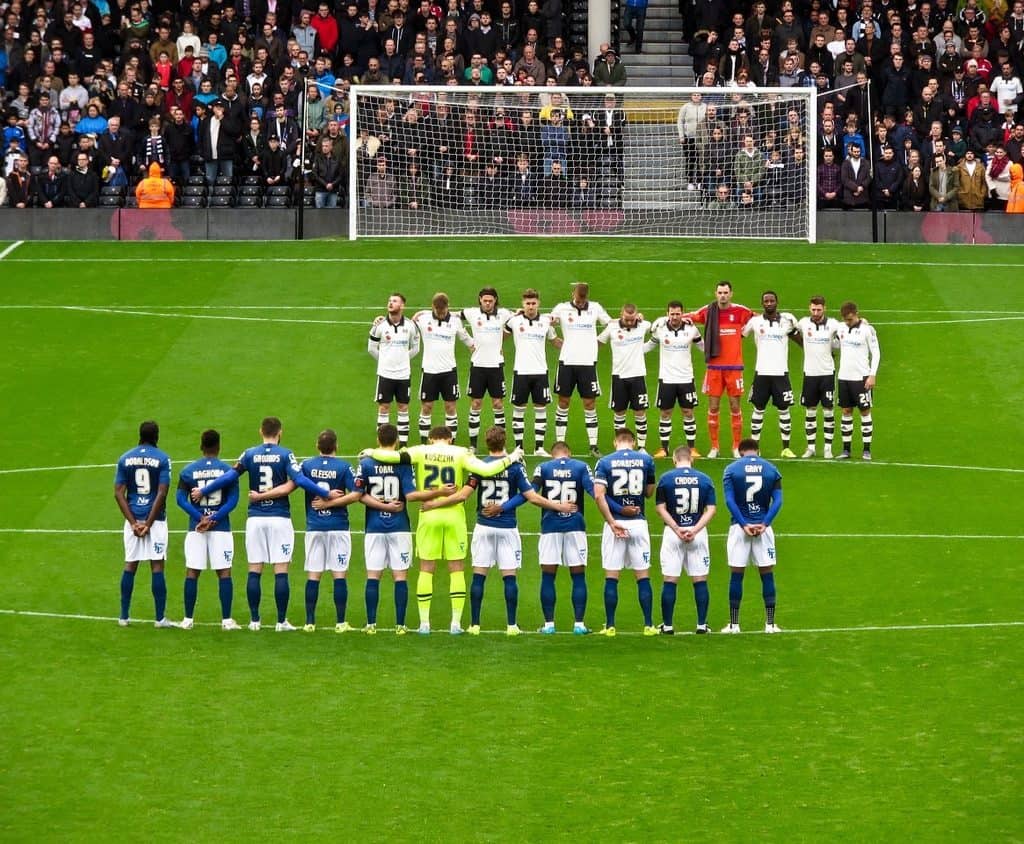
(875, 628)
(10, 249)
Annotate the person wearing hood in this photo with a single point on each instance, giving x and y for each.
(155, 191)
(1015, 204)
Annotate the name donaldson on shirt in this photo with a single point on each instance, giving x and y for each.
(142, 461)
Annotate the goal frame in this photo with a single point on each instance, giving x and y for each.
(677, 93)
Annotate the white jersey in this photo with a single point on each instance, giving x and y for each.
(488, 334)
(579, 332)
(818, 337)
(859, 354)
(530, 336)
(627, 345)
(439, 336)
(675, 345)
(772, 340)
(394, 345)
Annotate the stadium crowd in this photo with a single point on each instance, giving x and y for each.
(917, 102)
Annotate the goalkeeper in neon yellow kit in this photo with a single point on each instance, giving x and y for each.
(441, 531)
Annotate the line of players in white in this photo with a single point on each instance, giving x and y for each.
(394, 340)
(208, 491)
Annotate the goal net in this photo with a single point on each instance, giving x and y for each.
(659, 162)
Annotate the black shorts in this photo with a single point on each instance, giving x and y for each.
(774, 387)
(818, 389)
(629, 394)
(854, 394)
(484, 380)
(669, 395)
(439, 385)
(579, 377)
(530, 389)
(392, 390)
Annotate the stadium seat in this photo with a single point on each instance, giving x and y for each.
(252, 180)
(279, 201)
(309, 202)
(279, 190)
(224, 180)
(308, 190)
(196, 181)
(193, 190)
(249, 201)
(131, 201)
(222, 201)
(223, 190)
(250, 190)
(111, 200)
(193, 201)
(113, 190)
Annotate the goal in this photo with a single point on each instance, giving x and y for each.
(636, 162)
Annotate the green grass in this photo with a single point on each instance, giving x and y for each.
(142, 734)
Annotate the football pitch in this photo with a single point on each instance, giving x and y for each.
(890, 708)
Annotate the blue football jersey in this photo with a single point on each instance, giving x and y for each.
(563, 479)
(327, 473)
(268, 465)
(141, 471)
(498, 490)
(200, 472)
(625, 475)
(686, 494)
(749, 482)
(387, 482)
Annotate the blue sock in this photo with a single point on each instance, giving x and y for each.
(127, 586)
(159, 594)
(340, 597)
(768, 593)
(611, 600)
(668, 602)
(579, 596)
(702, 599)
(511, 598)
(735, 596)
(401, 600)
(373, 599)
(476, 597)
(253, 592)
(312, 596)
(547, 596)
(226, 590)
(282, 591)
(191, 594)
(646, 595)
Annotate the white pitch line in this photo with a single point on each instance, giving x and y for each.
(10, 249)
(728, 262)
(951, 321)
(914, 536)
(891, 628)
(223, 317)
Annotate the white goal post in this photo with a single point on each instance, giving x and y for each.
(436, 161)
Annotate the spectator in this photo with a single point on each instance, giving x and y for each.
(691, 126)
(609, 72)
(415, 188)
(326, 176)
(888, 179)
(380, 189)
(855, 178)
(971, 187)
(1015, 201)
(83, 185)
(153, 148)
(51, 186)
(115, 144)
(21, 184)
(997, 177)
(943, 186)
(717, 159)
(748, 165)
(633, 18)
(554, 191)
(217, 144)
(155, 191)
(43, 125)
(916, 191)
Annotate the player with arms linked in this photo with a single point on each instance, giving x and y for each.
(753, 494)
(624, 479)
(209, 541)
(269, 534)
(140, 488)
(685, 500)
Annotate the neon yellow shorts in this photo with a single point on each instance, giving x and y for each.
(442, 535)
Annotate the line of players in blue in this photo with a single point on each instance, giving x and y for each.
(208, 491)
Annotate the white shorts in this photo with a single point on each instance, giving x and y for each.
(496, 546)
(214, 549)
(563, 549)
(634, 552)
(388, 551)
(677, 556)
(328, 550)
(269, 539)
(152, 546)
(743, 550)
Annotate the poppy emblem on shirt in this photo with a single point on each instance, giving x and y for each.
(479, 323)
(621, 336)
(387, 338)
(429, 328)
(809, 334)
(521, 329)
(569, 319)
(760, 331)
(667, 341)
